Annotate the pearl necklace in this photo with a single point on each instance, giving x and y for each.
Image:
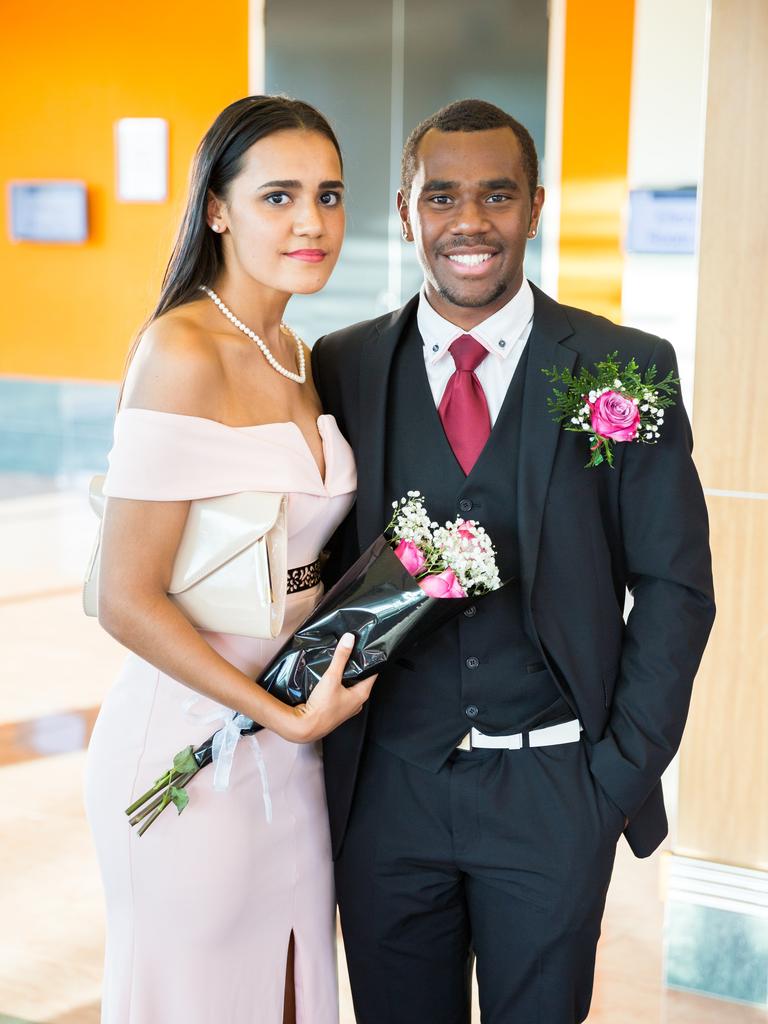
(298, 378)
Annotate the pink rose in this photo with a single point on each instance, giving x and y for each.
(444, 585)
(411, 556)
(467, 529)
(615, 416)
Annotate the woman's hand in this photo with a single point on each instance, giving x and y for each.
(330, 703)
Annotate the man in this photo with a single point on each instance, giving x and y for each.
(476, 806)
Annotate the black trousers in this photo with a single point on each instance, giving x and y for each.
(504, 856)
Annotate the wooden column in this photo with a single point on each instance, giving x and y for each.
(723, 795)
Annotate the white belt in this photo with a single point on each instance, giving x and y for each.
(565, 732)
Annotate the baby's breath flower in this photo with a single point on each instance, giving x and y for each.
(472, 558)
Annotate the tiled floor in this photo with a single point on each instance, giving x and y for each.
(56, 665)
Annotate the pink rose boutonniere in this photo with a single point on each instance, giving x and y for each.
(614, 405)
(615, 417)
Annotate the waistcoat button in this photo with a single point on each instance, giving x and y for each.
(472, 711)
(472, 663)
(465, 505)
(471, 611)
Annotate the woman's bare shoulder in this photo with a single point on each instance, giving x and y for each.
(176, 367)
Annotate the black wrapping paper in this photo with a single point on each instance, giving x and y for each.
(378, 601)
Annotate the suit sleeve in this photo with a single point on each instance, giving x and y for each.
(665, 535)
(342, 548)
(316, 375)
(329, 382)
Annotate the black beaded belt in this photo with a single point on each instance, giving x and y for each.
(304, 577)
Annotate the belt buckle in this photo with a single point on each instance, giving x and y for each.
(512, 741)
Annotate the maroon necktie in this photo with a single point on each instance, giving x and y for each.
(463, 409)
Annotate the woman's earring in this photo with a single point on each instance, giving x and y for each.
(216, 228)
(532, 234)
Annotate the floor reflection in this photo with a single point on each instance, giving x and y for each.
(90, 1014)
(45, 736)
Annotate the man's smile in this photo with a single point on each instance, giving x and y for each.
(471, 262)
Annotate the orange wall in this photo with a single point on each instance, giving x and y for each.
(69, 72)
(596, 107)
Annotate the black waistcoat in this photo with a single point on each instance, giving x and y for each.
(482, 669)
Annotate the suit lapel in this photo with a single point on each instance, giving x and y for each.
(376, 361)
(539, 432)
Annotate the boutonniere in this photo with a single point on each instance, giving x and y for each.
(612, 405)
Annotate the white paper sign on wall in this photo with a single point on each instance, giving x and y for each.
(142, 159)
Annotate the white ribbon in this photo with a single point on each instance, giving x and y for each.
(225, 742)
(262, 766)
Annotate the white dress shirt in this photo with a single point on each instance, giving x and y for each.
(504, 334)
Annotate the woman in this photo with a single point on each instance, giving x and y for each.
(227, 912)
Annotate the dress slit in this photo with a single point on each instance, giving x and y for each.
(289, 998)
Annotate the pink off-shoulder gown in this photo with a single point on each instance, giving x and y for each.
(201, 908)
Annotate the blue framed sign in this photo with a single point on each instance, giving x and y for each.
(48, 211)
(662, 221)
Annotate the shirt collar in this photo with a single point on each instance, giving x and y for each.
(500, 333)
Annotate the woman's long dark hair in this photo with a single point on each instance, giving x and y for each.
(197, 254)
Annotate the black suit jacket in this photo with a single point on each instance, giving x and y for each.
(586, 537)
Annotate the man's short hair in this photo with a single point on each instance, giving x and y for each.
(469, 116)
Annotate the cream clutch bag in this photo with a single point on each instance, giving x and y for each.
(230, 573)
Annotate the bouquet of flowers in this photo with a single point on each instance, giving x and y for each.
(412, 579)
(613, 405)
